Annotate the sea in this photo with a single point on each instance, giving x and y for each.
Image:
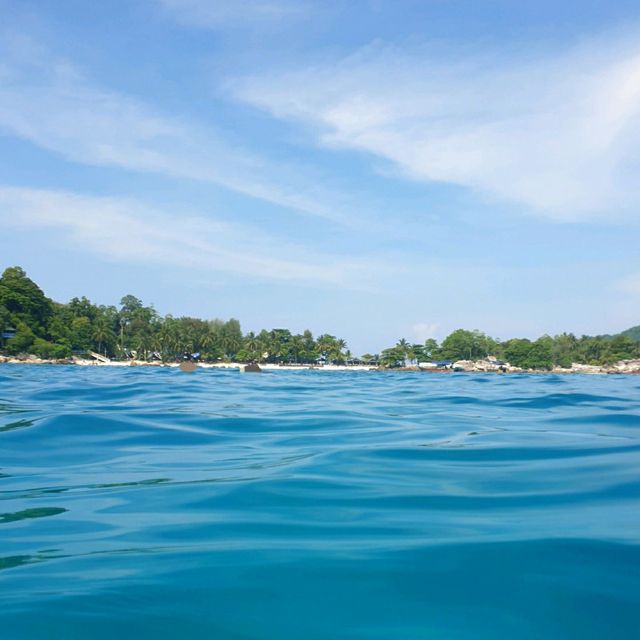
(148, 503)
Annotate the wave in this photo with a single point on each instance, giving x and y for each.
(342, 506)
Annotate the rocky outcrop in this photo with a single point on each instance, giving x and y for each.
(491, 364)
(464, 365)
(626, 366)
(586, 368)
(488, 364)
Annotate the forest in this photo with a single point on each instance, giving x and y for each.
(32, 323)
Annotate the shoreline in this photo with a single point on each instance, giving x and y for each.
(630, 367)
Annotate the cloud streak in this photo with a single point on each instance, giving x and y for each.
(553, 133)
(223, 13)
(50, 103)
(127, 231)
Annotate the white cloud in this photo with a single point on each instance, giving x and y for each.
(556, 133)
(50, 103)
(424, 330)
(127, 231)
(224, 13)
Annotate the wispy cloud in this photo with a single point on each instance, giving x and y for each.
(129, 232)
(229, 13)
(556, 133)
(50, 103)
(423, 330)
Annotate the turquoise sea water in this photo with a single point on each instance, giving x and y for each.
(146, 503)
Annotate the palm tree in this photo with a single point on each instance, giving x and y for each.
(296, 347)
(208, 340)
(402, 344)
(326, 344)
(102, 333)
(405, 349)
(144, 344)
(252, 344)
(341, 345)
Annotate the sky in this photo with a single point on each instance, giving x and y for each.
(374, 169)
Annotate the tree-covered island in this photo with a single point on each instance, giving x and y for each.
(31, 323)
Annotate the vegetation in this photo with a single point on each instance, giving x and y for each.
(32, 323)
(633, 333)
(51, 330)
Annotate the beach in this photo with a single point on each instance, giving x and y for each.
(630, 367)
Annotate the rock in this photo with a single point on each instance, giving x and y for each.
(626, 366)
(586, 368)
(253, 367)
(188, 367)
(464, 365)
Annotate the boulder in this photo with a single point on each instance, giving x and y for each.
(626, 366)
(464, 365)
(586, 368)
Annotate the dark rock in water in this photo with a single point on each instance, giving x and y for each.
(188, 366)
(252, 368)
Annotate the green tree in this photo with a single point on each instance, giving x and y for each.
(564, 350)
(81, 334)
(430, 348)
(466, 345)
(516, 351)
(103, 335)
(22, 341)
(530, 355)
(231, 337)
(392, 357)
(24, 300)
(405, 348)
(623, 348)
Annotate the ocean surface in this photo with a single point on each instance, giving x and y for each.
(148, 503)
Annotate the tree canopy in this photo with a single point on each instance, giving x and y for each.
(50, 329)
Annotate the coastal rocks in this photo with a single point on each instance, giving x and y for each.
(587, 368)
(622, 367)
(490, 364)
(626, 366)
(464, 365)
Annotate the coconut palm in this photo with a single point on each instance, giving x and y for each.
(103, 334)
(252, 345)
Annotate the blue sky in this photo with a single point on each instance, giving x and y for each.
(374, 169)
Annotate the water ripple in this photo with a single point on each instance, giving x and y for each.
(316, 505)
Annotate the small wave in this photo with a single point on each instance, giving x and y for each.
(357, 506)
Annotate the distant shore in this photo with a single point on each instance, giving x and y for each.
(479, 366)
(85, 362)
